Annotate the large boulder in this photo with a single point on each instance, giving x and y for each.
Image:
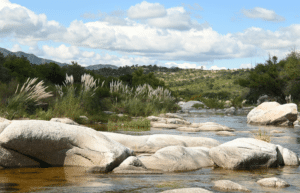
(272, 113)
(38, 143)
(245, 153)
(152, 143)
(178, 158)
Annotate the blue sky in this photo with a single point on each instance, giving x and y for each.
(186, 34)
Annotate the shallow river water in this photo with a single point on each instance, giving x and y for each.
(75, 179)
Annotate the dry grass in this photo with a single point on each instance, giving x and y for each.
(36, 92)
(141, 91)
(263, 135)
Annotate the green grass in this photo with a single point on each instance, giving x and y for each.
(17, 106)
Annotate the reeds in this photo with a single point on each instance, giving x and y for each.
(262, 135)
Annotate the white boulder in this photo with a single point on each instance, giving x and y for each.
(227, 185)
(272, 113)
(273, 182)
(152, 143)
(178, 158)
(47, 143)
(244, 153)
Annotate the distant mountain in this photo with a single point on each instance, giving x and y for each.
(36, 60)
(32, 58)
(99, 66)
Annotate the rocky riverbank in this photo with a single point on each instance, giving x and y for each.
(63, 142)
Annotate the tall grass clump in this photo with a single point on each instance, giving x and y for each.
(145, 100)
(70, 106)
(262, 135)
(25, 102)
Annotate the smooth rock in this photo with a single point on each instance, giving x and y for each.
(226, 133)
(188, 105)
(178, 158)
(208, 126)
(47, 143)
(276, 131)
(227, 185)
(272, 113)
(245, 153)
(287, 157)
(273, 182)
(152, 143)
(188, 190)
(64, 120)
(132, 165)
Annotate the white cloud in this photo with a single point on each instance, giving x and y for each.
(246, 66)
(62, 52)
(263, 14)
(184, 65)
(26, 26)
(16, 48)
(146, 10)
(149, 42)
(176, 18)
(218, 68)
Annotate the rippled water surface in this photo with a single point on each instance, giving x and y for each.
(75, 179)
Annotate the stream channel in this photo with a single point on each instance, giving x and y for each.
(75, 179)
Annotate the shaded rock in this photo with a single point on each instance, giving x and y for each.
(152, 143)
(188, 105)
(273, 182)
(51, 143)
(272, 113)
(188, 190)
(245, 153)
(178, 158)
(231, 110)
(133, 165)
(226, 133)
(227, 185)
(287, 157)
(171, 115)
(208, 126)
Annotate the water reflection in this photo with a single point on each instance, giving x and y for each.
(76, 179)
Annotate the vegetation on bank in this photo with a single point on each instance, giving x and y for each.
(125, 94)
(25, 102)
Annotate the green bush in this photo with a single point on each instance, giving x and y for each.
(237, 102)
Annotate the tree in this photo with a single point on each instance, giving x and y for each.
(264, 79)
(76, 70)
(5, 75)
(51, 72)
(19, 68)
(2, 58)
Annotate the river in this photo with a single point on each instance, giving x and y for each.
(75, 179)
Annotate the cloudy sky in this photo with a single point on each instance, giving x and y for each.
(215, 34)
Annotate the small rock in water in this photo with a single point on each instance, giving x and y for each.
(276, 131)
(273, 182)
(188, 190)
(227, 185)
(227, 133)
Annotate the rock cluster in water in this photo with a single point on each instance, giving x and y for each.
(63, 142)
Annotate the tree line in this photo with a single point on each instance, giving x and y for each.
(20, 69)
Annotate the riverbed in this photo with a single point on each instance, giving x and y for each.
(75, 179)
